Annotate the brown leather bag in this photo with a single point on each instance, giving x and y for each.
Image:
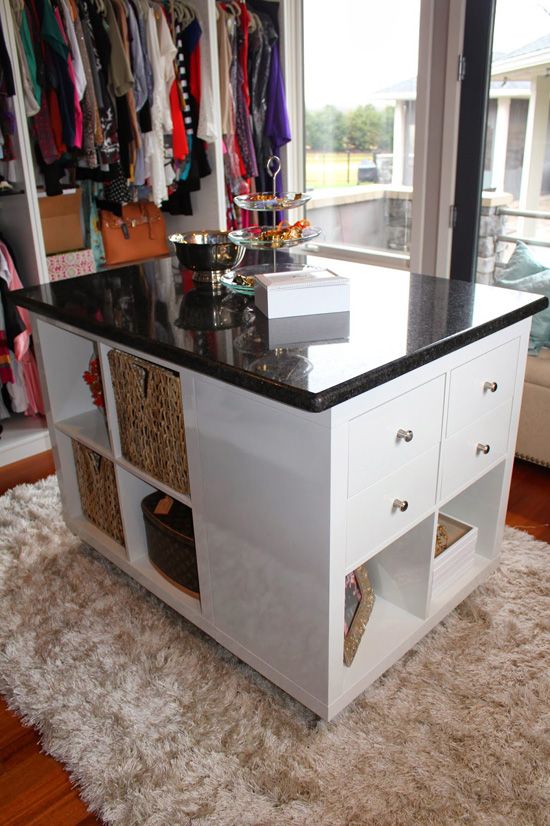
(139, 234)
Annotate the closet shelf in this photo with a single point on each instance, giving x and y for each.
(90, 429)
(388, 631)
(151, 480)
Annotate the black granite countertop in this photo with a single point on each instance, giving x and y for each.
(398, 321)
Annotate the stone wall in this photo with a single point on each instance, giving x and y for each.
(381, 217)
(397, 215)
(490, 252)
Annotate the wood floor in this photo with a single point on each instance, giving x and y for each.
(35, 789)
(529, 502)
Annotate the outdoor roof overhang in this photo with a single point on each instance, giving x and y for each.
(503, 91)
(522, 67)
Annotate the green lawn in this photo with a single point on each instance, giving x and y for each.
(326, 169)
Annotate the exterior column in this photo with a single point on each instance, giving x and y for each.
(398, 143)
(500, 143)
(533, 156)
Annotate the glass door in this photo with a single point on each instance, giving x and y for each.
(515, 202)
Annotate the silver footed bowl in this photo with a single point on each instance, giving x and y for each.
(209, 253)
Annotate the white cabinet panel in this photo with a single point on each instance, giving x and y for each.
(465, 454)
(481, 385)
(394, 433)
(286, 502)
(375, 515)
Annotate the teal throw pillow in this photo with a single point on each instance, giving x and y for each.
(521, 264)
(523, 272)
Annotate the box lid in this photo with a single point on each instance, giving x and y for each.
(299, 280)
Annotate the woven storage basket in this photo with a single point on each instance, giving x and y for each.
(98, 492)
(150, 418)
(171, 540)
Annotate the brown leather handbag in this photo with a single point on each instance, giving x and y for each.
(139, 234)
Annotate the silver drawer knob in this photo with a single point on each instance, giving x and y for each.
(406, 435)
(400, 504)
(490, 385)
(483, 448)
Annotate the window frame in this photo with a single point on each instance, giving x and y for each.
(436, 136)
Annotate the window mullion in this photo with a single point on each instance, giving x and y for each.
(436, 131)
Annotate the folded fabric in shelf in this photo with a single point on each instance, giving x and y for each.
(71, 264)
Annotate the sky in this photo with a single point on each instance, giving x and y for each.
(354, 48)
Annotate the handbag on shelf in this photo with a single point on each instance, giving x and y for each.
(138, 234)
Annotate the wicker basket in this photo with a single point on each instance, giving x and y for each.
(150, 418)
(171, 540)
(98, 491)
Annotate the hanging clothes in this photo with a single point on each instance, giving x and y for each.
(7, 114)
(206, 127)
(254, 114)
(119, 85)
(24, 385)
(162, 52)
(196, 165)
(31, 89)
(6, 72)
(276, 126)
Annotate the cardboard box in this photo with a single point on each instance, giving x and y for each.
(301, 292)
(61, 222)
(71, 264)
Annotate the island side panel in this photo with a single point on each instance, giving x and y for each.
(266, 514)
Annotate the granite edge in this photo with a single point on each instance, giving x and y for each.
(294, 397)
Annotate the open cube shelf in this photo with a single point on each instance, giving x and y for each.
(285, 504)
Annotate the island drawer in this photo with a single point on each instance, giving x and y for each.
(467, 453)
(383, 510)
(394, 433)
(150, 418)
(481, 385)
(98, 491)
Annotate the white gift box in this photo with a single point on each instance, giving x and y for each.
(295, 331)
(301, 292)
(458, 558)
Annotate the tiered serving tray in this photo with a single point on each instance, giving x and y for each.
(279, 235)
(273, 238)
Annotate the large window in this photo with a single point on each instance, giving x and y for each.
(360, 70)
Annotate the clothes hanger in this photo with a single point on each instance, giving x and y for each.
(18, 7)
(230, 7)
(154, 4)
(143, 6)
(184, 13)
(253, 21)
(190, 11)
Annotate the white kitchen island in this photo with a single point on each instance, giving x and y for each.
(306, 460)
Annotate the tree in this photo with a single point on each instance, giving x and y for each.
(325, 129)
(364, 128)
(386, 136)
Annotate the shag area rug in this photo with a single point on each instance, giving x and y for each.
(159, 726)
